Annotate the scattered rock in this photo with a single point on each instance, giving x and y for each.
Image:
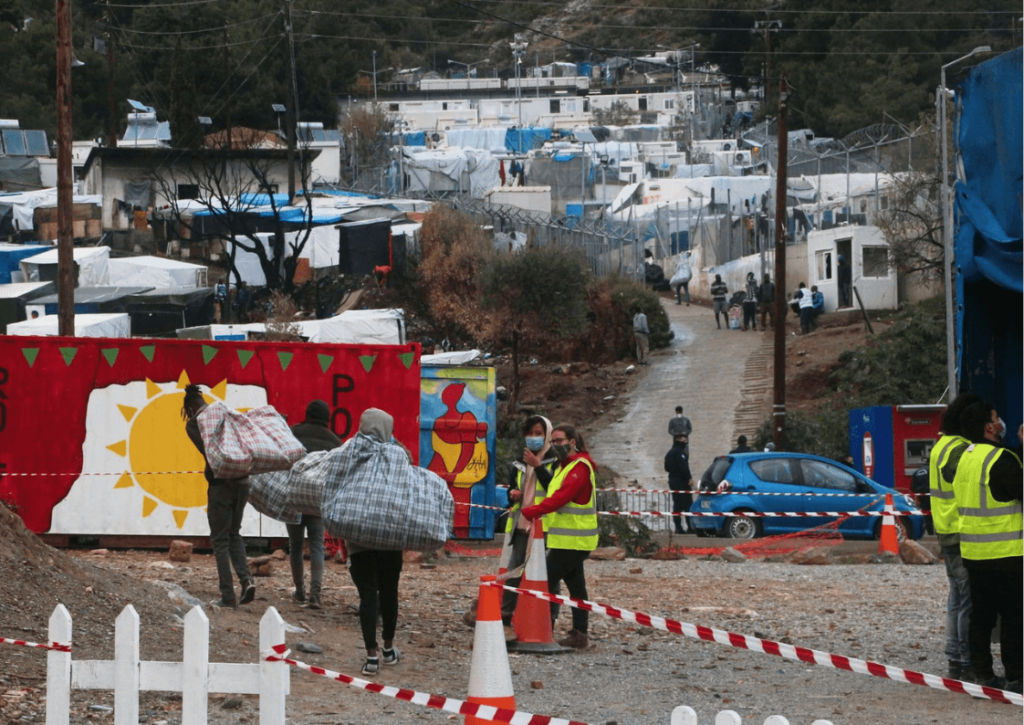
(180, 551)
(101, 708)
(817, 556)
(608, 553)
(309, 648)
(279, 554)
(537, 685)
(339, 558)
(667, 555)
(912, 552)
(232, 703)
(262, 566)
(259, 560)
(732, 556)
(631, 369)
(638, 570)
(177, 594)
(99, 552)
(160, 565)
(887, 557)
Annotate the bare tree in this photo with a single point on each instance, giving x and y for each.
(367, 132)
(235, 189)
(617, 114)
(912, 225)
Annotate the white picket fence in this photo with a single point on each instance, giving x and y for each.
(195, 677)
(684, 715)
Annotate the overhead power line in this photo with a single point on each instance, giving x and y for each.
(218, 29)
(774, 11)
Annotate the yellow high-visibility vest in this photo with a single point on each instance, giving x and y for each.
(942, 465)
(574, 526)
(989, 529)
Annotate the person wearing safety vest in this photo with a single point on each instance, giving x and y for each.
(942, 465)
(988, 485)
(527, 484)
(570, 512)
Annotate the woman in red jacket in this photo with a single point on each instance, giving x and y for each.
(571, 517)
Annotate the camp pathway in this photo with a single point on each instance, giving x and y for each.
(704, 371)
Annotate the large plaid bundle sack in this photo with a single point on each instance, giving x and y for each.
(269, 494)
(376, 499)
(244, 444)
(307, 481)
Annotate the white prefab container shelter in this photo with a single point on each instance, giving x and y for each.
(157, 272)
(867, 253)
(93, 265)
(114, 324)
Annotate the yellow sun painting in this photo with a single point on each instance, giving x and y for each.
(159, 457)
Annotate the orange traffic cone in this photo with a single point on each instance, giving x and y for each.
(490, 679)
(888, 541)
(532, 618)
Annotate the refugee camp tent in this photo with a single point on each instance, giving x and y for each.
(10, 257)
(158, 272)
(98, 325)
(376, 327)
(160, 312)
(92, 266)
(89, 300)
(14, 297)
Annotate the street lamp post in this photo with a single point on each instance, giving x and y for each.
(469, 66)
(947, 225)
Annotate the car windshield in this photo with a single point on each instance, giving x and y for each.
(775, 470)
(715, 473)
(825, 475)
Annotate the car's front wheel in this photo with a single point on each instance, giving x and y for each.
(742, 527)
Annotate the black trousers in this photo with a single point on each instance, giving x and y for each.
(995, 593)
(749, 315)
(682, 499)
(567, 565)
(376, 574)
(225, 502)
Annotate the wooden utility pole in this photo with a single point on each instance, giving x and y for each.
(111, 101)
(65, 226)
(779, 408)
(293, 106)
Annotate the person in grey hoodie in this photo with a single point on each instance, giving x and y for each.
(314, 434)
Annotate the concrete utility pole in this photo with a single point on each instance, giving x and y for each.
(779, 408)
(65, 226)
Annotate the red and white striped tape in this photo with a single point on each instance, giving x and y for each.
(55, 646)
(103, 473)
(787, 651)
(732, 514)
(279, 653)
(749, 493)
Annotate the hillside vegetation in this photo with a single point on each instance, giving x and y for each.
(229, 59)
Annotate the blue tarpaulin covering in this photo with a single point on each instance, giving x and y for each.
(521, 140)
(415, 139)
(988, 241)
(12, 254)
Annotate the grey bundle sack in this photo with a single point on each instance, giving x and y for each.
(375, 498)
(307, 482)
(269, 494)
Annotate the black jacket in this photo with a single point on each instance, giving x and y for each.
(678, 467)
(314, 433)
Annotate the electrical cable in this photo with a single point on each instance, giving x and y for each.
(222, 28)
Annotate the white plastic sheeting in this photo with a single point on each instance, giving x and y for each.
(247, 263)
(474, 171)
(321, 247)
(23, 206)
(491, 139)
(306, 328)
(157, 272)
(116, 324)
(93, 266)
(460, 357)
(374, 327)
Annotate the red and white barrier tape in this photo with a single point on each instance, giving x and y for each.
(55, 646)
(747, 493)
(104, 473)
(732, 514)
(279, 653)
(787, 651)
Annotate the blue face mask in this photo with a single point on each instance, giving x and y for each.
(534, 443)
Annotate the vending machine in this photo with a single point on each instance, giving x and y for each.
(889, 442)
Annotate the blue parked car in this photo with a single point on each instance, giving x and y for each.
(792, 474)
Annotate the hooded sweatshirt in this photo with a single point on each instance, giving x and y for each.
(377, 424)
(314, 433)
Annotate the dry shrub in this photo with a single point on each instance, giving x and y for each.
(281, 325)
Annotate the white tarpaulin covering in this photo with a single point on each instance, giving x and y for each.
(23, 206)
(460, 357)
(156, 272)
(617, 151)
(93, 265)
(460, 169)
(321, 247)
(116, 324)
(306, 329)
(377, 327)
(248, 264)
(492, 139)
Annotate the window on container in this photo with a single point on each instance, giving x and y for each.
(642, 103)
(823, 264)
(670, 103)
(883, 202)
(875, 261)
(555, 105)
(188, 191)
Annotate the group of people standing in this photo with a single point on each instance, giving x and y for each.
(975, 484)
(754, 296)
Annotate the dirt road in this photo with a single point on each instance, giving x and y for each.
(703, 371)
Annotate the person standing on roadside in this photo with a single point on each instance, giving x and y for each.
(677, 465)
(741, 446)
(528, 481)
(571, 512)
(989, 487)
(642, 333)
(679, 425)
(750, 303)
(719, 291)
(766, 296)
(942, 464)
(315, 434)
(225, 504)
(843, 278)
(806, 306)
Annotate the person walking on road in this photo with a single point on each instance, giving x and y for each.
(989, 487)
(719, 292)
(642, 333)
(679, 425)
(766, 297)
(750, 303)
(314, 434)
(571, 512)
(225, 503)
(677, 465)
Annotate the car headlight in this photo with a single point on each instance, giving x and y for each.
(909, 502)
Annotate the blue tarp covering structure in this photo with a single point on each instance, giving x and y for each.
(988, 242)
(419, 138)
(521, 140)
(12, 254)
